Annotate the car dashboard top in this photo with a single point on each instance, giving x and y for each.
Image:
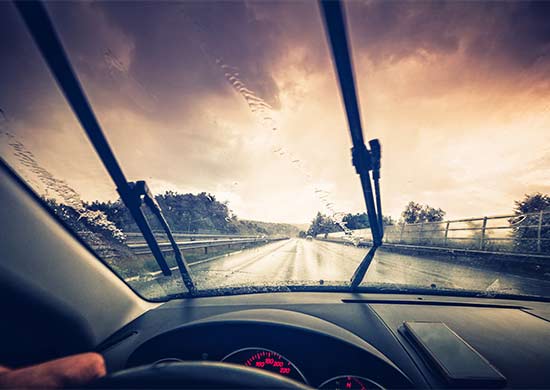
(338, 340)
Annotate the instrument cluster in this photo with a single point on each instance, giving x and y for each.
(272, 361)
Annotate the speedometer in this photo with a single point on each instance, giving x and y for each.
(350, 382)
(266, 360)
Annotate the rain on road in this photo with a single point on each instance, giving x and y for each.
(312, 261)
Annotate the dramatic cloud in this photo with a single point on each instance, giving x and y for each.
(239, 99)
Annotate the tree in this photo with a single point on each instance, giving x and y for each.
(361, 221)
(411, 214)
(94, 227)
(532, 203)
(388, 220)
(417, 213)
(189, 213)
(526, 223)
(430, 214)
(322, 224)
(356, 221)
(115, 212)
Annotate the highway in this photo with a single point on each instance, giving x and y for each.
(296, 260)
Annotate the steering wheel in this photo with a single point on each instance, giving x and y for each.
(196, 375)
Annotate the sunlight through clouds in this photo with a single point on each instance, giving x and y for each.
(240, 100)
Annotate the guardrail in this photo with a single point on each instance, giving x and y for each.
(526, 233)
(136, 237)
(141, 248)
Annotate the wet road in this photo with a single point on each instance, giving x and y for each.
(313, 261)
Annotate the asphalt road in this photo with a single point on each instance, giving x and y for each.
(296, 260)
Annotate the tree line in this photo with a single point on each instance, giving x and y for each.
(185, 213)
(413, 213)
(525, 227)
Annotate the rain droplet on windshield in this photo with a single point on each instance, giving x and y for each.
(65, 193)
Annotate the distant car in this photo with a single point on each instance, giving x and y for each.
(308, 237)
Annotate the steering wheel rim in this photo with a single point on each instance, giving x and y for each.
(196, 375)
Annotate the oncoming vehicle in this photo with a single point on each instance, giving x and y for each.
(159, 160)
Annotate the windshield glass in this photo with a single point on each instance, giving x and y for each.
(233, 115)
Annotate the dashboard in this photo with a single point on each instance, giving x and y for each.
(296, 345)
(336, 340)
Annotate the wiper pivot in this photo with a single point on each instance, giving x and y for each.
(141, 194)
(364, 161)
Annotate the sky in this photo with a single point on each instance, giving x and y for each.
(239, 99)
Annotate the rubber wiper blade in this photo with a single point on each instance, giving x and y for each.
(132, 194)
(363, 159)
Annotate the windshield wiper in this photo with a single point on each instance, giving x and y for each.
(133, 194)
(363, 159)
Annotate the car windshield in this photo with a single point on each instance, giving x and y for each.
(232, 114)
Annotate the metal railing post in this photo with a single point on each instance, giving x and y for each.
(482, 239)
(401, 234)
(539, 228)
(446, 233)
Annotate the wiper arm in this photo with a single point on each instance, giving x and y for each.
(363, 159)
(141, 190)
(376, 154)
(132, 194)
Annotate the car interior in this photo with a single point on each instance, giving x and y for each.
(59, 298)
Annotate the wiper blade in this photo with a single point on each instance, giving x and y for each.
(363, 159)
(376, 155)
(141, 193)
(132, 194)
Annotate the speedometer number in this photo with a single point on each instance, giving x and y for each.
(266, 360)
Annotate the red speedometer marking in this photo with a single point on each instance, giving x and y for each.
(345, 382)
(266, 360)
(359, 383)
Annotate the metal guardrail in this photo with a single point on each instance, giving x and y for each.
(141, 248)
(193, 236)
(526, 233)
